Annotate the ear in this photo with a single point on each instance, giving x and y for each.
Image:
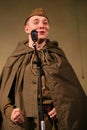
(26, 29)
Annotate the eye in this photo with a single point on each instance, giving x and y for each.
(45, 22)
(35, 22)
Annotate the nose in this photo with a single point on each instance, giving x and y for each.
(41, 25)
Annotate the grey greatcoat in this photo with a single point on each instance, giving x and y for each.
(67, 94)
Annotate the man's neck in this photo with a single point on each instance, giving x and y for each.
(39, 44)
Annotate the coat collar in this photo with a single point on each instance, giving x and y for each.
(52, 46)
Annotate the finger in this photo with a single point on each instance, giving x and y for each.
(19, 120)
(52, 111)
(53, 115)
(16, 115)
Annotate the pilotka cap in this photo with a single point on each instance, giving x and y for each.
(37, 12)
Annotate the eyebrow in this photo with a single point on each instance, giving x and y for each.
(35, 19)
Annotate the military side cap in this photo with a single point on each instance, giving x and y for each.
(37, 12)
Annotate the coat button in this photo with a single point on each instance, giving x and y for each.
(33, 82)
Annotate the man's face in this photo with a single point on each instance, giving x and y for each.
(40, 24)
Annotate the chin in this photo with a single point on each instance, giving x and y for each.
(41, 40)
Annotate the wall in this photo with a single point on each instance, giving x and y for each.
(68, 26)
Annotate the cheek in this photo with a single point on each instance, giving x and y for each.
(48, 28)
(29, 29)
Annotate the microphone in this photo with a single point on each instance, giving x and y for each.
(34, 35)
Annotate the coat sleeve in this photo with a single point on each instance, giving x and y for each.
(5, 102)
(8, 108)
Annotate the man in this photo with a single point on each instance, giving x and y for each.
(64, 101)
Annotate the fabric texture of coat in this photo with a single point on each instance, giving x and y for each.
(67, 94)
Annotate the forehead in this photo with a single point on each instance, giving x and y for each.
(42, 18)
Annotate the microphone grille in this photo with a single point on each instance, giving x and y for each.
(34, 35)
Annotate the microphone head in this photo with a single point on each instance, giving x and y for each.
(34, 35)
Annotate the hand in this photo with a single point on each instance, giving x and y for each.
(17, 116)
(52, 113)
